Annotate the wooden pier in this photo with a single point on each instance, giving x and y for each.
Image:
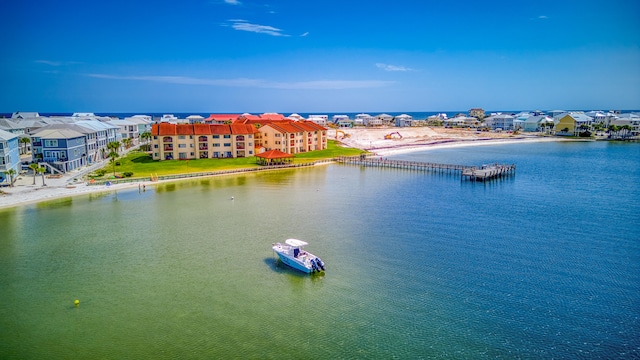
(475, 173)
(487, 172)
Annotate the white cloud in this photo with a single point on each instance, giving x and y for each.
(304, 34)
(56, 63)
(387, 67)
(232, 2)
(243, 25)
(542, 17)
(254, 83)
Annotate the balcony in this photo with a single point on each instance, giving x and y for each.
(203, 147)
(168, 148)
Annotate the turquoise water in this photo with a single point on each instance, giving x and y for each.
(543, 264)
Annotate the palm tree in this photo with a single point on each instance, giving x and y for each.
(113, 155)
(146, 136)
(41, 170)
(10, 173)
(34, 167)
(25, 141)
(127, 142)
(114, 146)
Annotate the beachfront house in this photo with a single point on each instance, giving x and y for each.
(128, 130)
(404, 120)
(11, 126)
(321, 120)
(572, 123)
(631, 120)
(201, 141)
(477, 113)
(293, 137)
(499, 122)
(63, 149)
(102, 134)
(342, 121)
(9, 156)
(387, 120)
(144, 122)
(367, 120)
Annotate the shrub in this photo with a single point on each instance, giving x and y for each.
(101, 172)
(117, 163)
(127, 174)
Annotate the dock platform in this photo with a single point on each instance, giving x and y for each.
(468, 172)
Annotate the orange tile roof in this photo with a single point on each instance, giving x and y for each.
(272, 117)
(163, 129)
(222, 117)
(167, 129)
(202, 129)
(274, 154)
(220, 129)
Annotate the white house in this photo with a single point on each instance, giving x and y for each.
(499, 122)
(319, 119)
(404, 120)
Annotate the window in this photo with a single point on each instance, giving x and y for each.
(155, 146)
(155, 155)
(227, 136)
(182, 137)
(182, 146)
(51, 143)
(216, 136)
(216, 145)
(227, 144)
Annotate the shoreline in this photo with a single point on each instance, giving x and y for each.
(22, 194)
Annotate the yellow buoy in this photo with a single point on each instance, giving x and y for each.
(76, 303)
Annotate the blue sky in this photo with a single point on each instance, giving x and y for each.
(318, 56)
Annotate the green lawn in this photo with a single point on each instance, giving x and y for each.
(142, 165)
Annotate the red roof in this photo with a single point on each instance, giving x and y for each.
(272, 117)
(222, 117)
(274, 154)
(167, 129)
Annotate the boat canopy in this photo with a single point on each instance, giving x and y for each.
(296, 242)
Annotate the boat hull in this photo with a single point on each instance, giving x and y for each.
(294, 264)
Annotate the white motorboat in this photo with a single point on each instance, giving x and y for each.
(292, 254)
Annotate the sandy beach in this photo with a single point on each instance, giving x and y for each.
(412, 139)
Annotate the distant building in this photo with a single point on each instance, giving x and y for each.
(342, 121)
(221, 118)
(321, 120)
(386, 119)
(404, 120)
(500, 122)
(477, 113)
(572, 123)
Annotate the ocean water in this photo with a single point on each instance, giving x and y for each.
(543, 264)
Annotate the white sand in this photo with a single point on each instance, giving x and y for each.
(414, 139)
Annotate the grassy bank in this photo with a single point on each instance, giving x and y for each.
(142, 165)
